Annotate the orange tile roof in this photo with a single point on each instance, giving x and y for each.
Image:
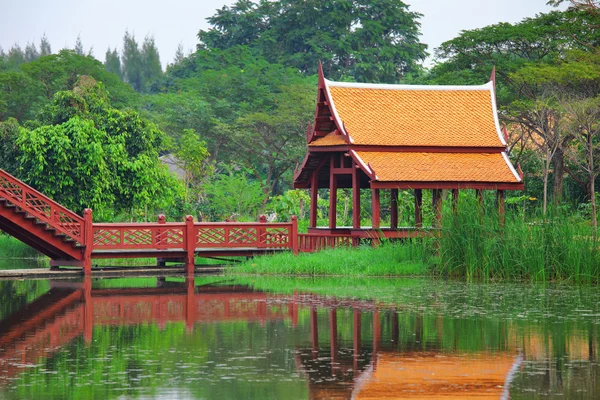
(437, 376)
(400, 115)
(331, 139)
(439, 167)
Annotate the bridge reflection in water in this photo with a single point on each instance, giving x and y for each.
(382, 364)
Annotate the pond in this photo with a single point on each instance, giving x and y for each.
(292, 338)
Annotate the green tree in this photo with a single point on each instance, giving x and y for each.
(232, 196)
(112, 62)
(364, 40)
(131, 59)
(88, 154)
(45, 48)
(191, 155)
(151, 67)
(31, 52)
(20, 96)
(15, 58)
(9, 132)
(79, 50)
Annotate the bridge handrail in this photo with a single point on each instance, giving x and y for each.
(175, 235)
(40, 206)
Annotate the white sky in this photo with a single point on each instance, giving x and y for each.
(102, 23)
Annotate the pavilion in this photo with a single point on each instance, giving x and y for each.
(394, 137)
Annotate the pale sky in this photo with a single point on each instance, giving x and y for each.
(102, 23)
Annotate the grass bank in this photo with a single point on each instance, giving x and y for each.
(390, 259)
(472, 244)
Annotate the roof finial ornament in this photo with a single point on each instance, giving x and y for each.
(505, 132)
(321, 75)
(493, 76)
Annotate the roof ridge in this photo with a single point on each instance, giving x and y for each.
(386, 86)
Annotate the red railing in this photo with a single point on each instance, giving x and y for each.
(164, 236)
(312, 242)
(41, 207)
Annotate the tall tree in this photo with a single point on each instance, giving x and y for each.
(79, 46)
(31, 52)
(15, 57)
(151, 67)
(112, 62)
(45, 49)
(132, 62)
(179, 55)
(365, 40)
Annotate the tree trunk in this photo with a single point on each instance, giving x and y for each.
(559, 173)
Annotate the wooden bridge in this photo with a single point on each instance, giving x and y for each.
(73, 240)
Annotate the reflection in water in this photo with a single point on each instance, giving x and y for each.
(190, 339)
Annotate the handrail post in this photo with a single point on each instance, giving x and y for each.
(160, 262)
(190, 245)
(261, 232)
(294, 235)
(88, 238)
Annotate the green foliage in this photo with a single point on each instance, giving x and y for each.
(9, 153)
(233, 196)
(370, 41)
(90, 155)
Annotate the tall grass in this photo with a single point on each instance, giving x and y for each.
(555, 247)
(387, 260)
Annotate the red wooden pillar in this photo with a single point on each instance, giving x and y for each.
(158, 240)
(437, 207)
(418, 208)
(479, 195)
(333, 337)
(455, 201)
(356, 340)
(190, 309)
(190, 245)
(314, 332)
(376, 337)
(88, 310)
(394, 209)
(375, 209)
(332, 195)
(88, 239)
(294, 235)
(355, 197)
(500, 196)
(395, 328)
(314, 195)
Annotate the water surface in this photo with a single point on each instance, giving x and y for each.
(290, 338)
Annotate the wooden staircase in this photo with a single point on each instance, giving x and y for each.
(40, 222)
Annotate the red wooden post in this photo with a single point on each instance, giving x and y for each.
(355, 197)
(294, 235)
(333, 337)
(88, 310)
(314, 195)
(376, 338)
(501, 212)
(190, 309)
(314, 333)
(479, 195)
(158, 241)
(394, 209)
(356, 339)
(418, 208)
(375, 209)
(437, 207)
(190, 245)
(332, 196)
(88, 238)
(455, 201)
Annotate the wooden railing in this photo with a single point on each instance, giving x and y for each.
(173, 235)
(41, 207)
(311, 242)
